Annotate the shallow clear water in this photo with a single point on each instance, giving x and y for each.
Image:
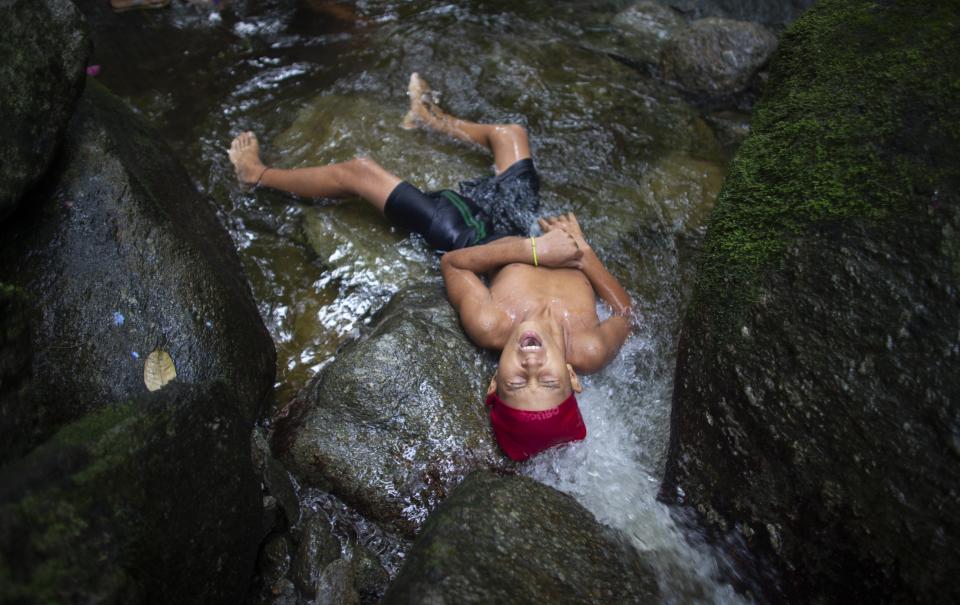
(322, 81)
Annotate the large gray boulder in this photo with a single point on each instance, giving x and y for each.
(398, 419)
(44, 48)
(716, 56)
(817, 398)
(121, 257)
(150, 501)
(514, 540)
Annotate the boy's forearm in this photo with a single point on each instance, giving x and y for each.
(604, 284)
(496, 254)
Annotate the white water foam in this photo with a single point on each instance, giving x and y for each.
(626, 411)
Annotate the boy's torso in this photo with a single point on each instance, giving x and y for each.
(520, 288)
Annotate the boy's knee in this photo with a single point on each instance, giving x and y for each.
(514, 131)
(364, 164)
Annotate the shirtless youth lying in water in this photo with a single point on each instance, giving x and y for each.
(539, 308)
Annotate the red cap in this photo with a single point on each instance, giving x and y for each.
(522, 433)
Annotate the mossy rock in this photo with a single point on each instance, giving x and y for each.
(513, 540)
(122, 256)
(150, 501)
(44, 48)
(816, 401)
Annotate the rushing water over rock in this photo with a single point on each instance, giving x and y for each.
(318, 83)
(615, 472)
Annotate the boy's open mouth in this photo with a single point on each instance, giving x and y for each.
(530, 341)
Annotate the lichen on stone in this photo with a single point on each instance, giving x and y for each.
(859, 121)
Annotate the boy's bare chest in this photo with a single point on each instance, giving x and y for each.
(519, 288)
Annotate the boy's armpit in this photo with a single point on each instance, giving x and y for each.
(488, 326)
(483, 320)
(594, 350)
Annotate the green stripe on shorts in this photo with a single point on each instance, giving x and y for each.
(471, 221)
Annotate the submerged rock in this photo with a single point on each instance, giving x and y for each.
(717, 56)
(817, 402)
(149, 501)
(397, 419)
(122, 257)
(730, 127)
(645, 27)
(44, 48)
(513, 540)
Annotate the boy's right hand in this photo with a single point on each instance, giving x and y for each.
(558, 248)
(565, 222)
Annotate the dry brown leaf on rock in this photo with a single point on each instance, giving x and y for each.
(158, 370)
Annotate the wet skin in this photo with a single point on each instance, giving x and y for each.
(542, 318)
(539, 312)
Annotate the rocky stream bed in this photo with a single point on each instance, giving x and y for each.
(776, 185)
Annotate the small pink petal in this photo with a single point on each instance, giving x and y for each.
(93, 70)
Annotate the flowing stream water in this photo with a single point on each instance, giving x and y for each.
(322, 81)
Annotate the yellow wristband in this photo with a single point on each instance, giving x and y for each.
(533, 245)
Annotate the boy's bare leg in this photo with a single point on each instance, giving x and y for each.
(508, 142)
(361, 177)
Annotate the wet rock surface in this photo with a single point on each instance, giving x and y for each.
(775, 13)
(816, 400)
(336, 585)
(645, 27)
(513, 540)
(397, 419)
(369, 577)
(317, 548)
(314, 562)
(148, 501)
(717, 56)
(730, 127)
(44, 49)
(121, 257)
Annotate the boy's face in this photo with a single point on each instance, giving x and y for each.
(533, 371)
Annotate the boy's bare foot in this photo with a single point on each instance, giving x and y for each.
(245, 155)
(422, 108)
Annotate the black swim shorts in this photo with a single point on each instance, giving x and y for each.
(485, 209)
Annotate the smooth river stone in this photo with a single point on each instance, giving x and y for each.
(397, 419)
(514, 540)
(122, 256)
(717, 56)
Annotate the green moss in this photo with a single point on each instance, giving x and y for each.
(860, 121)
(91, 429)
(65, 524)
